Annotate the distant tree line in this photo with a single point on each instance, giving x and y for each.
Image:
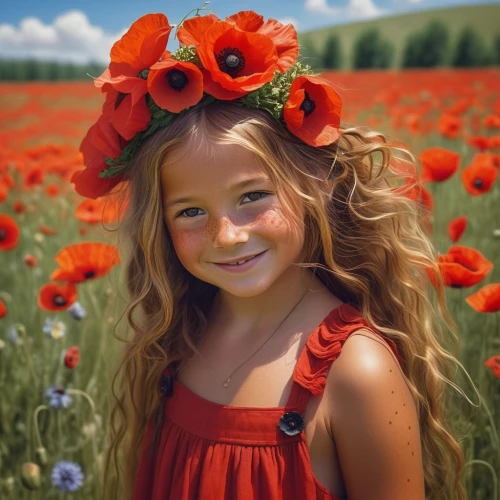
(428, 48)
(16, 70)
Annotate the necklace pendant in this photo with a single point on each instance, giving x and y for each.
(226, 382)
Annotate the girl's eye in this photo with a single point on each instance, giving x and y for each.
(181, 214)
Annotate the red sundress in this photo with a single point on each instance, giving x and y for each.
(209, 451)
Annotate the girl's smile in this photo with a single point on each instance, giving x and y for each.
(245, 264)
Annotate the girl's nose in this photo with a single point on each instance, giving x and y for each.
(226, 233)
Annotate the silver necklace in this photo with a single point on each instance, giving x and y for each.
(226, 383)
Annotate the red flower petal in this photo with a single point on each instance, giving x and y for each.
(192, 30)
(456, 228)
(487, 299)
(143, 43)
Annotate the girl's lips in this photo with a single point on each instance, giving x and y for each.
(243, 267)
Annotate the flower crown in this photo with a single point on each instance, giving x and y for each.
(240, 59)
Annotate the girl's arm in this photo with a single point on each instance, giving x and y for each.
(374, 422)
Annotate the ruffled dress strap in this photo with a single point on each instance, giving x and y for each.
(322, 348)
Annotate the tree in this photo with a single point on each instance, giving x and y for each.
(332, 53)
(411, 51)
(435, 45)
(470, 50)
(372, 51)
(428, 48)
(495, 53)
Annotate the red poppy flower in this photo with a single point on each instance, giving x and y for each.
(48, 231)
(52, 190)
(100, 142)
(487, 299)
(494, 364)
(90, 211)
(492, 121)
(84, 261)
(4, 191)
(494, 141)
(126, 113)
(72, 357)
(9, 232)
(479, 178)
(284, 37)
(137, 50)
(18, 207)
(312, 111)
(438, 164)
(459, 107)
(144, 42)
(30, 260)
(450, 125)
(463, 266)
(456, 228)
(3, 309)
(34, 176)
(235, 62)
(480, 142)
(486, 159)
(175, 85)
(54, 297)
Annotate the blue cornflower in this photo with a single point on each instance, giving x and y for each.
(77, 311)
(54, 328)
(67, 476)
(57, 397)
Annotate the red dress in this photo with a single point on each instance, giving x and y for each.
(209, 451)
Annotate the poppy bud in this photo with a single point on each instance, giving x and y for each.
(41, 456)
(30, 476)
(30, 260)
(9, 484)
(72, 357)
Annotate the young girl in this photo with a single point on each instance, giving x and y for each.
(284, 338)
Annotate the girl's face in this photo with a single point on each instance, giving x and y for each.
(222, 206)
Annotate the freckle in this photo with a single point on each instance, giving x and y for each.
(408, 443)
(390, 371)
(404, 404)
(390, 422)
(408, 480)
(412, 453)
(409, 427)
(396, 413)
(392, 392)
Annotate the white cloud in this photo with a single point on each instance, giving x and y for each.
(355, 9)
(289, 20)
(70, 38)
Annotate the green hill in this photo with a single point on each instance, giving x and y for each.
(482, 18)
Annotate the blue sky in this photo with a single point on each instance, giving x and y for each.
(79, 31)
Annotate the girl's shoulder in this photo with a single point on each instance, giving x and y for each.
(373, 419)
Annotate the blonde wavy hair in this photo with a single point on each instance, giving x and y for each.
(364, 237)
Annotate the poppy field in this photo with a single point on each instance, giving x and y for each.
(62, 296)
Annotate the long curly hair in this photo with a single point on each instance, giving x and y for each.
(364, 236)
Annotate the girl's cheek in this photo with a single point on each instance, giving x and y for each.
(186, 242)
